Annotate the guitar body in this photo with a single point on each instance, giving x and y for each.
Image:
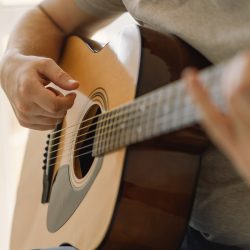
(138, 197)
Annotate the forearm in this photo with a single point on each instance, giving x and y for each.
(37, 35)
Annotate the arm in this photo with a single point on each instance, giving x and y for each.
(29, 63)
(230, 131)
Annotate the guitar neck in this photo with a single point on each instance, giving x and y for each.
(164, 110)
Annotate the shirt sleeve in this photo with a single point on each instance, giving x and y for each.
(102, 8)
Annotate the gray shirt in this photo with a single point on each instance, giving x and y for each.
(218, 29)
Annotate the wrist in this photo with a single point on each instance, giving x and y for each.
(6, 63)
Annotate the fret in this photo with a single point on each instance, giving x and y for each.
(129, 124)
(109, 138)
(102, 132)
(160, 109)
(135, 113)
(188, 110)
(117, 128)
(119, 141)
(138, 115)
(146, 117)
(151, 116)
(181, 108)
(175, 109)
(111, 130)
(164, 107)
(100, 137)
(168, 107)
(141, 124)
(98, 134)
(123, 126)
(104, 137)
(158, 103)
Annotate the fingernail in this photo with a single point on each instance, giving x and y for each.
(72, 81)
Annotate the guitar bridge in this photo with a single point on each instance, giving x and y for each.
(49, 161)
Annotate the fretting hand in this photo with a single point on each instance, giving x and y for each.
(230, 130)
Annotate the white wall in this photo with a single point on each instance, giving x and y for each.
(12, 138)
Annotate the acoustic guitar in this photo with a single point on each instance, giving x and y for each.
(120, 171)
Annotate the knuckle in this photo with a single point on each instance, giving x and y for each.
(45, 61)
(23, 108)
(23, 119)
(24, 84)
(55, 107)
(23, 89)
(61, 75)
(24, 123)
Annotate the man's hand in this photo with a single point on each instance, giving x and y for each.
(25, 79)
(230, 130)
(26, 70)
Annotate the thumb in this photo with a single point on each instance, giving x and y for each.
(55, 74)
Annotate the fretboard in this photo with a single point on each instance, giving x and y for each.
(164, 110)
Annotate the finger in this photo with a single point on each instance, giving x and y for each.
(216, 124)
(36, 125)
(39, 120)
(31, 110)
(55, 91)
(28, 118)
(236, 90)
(239, 109)
(51, 103)
(50, 70)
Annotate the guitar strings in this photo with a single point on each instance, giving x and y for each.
(108, 118)
(137, 111)
(91, 118)
(116, 122)
(219, 102)
(106, 140)
(176, 84)
(143, 98)
(160, 122)
(110, 131)
(100, 128)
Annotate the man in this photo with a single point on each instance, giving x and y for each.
(218, 29)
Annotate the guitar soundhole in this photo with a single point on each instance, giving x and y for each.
(83, 158)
